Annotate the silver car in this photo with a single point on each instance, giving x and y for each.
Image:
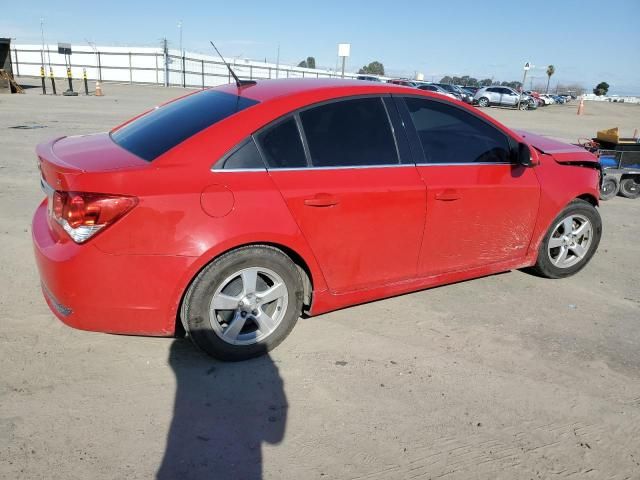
(502, 96)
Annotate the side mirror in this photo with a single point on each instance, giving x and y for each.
(524, 155)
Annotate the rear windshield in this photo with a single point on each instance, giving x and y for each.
(163, 128)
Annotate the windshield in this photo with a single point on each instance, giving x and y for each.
(161, 129)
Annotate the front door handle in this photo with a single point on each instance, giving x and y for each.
(448, 195)
(321, 200)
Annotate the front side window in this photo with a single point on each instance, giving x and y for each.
(450, 135)
(353, 132)
(282, 146)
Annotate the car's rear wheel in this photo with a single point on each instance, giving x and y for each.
(244, 303)
(483, 102)
(571, 241)
(609, 189)
(630, 188)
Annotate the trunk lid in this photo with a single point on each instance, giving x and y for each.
(63, 159)
(560, 151)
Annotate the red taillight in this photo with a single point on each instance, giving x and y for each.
(82, 215)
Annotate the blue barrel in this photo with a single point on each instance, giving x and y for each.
(608, 161)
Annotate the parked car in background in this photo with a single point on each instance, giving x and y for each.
(403, 82)
(469, 91)
(431, 87)
(457, 91)
(233, 210)
(369, 78)
(503, 96)
(547, 99)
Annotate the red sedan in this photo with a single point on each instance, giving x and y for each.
(229, 212)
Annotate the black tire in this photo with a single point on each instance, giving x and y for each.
(195, 314)
(544, 267)
(609, 189)
(523, 106)
(630, 188)
(483, 102)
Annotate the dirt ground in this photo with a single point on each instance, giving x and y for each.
(505, 377)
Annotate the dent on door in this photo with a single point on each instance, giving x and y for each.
(477, 215)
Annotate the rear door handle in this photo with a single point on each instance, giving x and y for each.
(448, 195)
(321, 200)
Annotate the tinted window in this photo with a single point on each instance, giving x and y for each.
(163, 128)
(247, 156)
(451, 135)
(494, 90)
(349, 133)
(282, 146)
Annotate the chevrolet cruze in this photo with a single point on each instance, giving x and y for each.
(230, 212)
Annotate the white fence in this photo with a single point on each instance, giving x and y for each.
(150, 65)
(612, 98)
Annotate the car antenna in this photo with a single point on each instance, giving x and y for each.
(239, 83)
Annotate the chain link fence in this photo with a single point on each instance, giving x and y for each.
(150, 66)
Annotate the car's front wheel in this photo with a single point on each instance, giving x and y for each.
(244, 303)
(483, 102)
(570, 242)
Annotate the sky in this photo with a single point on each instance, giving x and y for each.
(587, 41)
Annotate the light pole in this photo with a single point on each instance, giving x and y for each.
(184, 80)
(527, 66)
(42, 33)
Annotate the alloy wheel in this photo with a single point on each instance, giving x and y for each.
(570, 241)
(248, 306)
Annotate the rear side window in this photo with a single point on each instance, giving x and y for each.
(353, 132)
(163, 128)
(282, 146)
(451, 135)
(245, 157)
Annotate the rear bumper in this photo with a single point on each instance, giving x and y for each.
(92, 290)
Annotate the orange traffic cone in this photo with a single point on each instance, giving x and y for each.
(99, 90)
(581, 107)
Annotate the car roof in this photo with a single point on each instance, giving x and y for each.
(265, 90)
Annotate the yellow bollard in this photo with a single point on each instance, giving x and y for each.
(53, 81)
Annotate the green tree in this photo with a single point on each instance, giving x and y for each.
(310, 62)
(468, 81)
(601, 89)
(374, 68)
(446, 79)
(550, 71)
(485, 82)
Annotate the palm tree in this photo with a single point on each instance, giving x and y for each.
(550, 71)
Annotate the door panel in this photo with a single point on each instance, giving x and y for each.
(481, 208)
(364, 225)
(477, 215)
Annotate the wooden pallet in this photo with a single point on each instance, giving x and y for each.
(4, 75)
